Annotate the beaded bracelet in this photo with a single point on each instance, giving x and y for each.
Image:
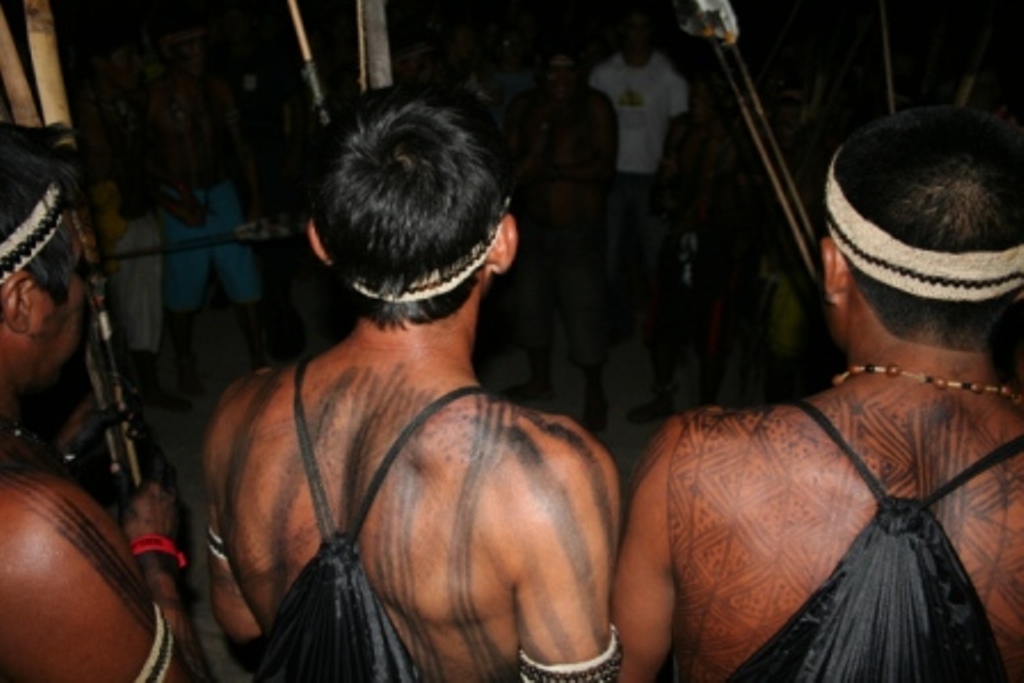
(155, 543)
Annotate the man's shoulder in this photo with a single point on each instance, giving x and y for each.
(259, 382)
(714, 434)
(40, 511)
(715, 421)
(548, 470)
(533, 441)
(245, 403)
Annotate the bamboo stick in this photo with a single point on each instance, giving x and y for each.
(101, 360)
(378, 52)
(309, 71)
(16, 85)
(42, 43)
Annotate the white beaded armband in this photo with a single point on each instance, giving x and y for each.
(160, 654)
(603, 668)
(216, 544)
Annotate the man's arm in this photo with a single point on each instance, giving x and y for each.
(229, 605)
(566, 523)
(75, 604)
(644, 596)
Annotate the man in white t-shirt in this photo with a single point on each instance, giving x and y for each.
(647, 93)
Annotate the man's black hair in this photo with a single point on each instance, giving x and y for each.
(30, 160)
(407, 183)
(944, 179)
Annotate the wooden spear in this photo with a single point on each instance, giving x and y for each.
(309, 72)
(100, 356)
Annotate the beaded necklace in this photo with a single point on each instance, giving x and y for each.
(939, 383)
(16, 429)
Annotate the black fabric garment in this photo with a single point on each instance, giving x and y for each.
(899, 606)
(331, 626)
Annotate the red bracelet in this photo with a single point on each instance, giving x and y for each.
(155, 543)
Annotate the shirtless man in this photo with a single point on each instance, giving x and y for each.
(193, 126)
(562, 136)
(493, 536)
(694, 267)
(111, 110)
(737, 517)
(75, 604)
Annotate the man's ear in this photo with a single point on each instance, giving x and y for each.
(316, 244)
(837, 276)
(503, 253)
(18, 296)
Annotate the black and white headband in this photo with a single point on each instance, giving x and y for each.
(939, 275)
(439, 281)
(29, 238)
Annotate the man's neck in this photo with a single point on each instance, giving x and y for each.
(440, 348)
(939, 362)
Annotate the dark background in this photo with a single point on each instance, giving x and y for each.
(932, 42)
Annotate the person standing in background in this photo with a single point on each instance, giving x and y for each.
(647, 93)
(193, 124)
(562, 140)
(111, 109)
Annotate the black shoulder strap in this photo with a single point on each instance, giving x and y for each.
(378, 478)
(862, 469)
(324, 518)
(998, 455)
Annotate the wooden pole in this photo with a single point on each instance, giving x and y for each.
(890, 92)
(785, 201)
(100, 357)
(378, 52)
(42, 44)
(780, 164)
(16, 85)
(309, 72)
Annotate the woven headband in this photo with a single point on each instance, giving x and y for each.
(437, 282)
(29, 238)
(944, 276)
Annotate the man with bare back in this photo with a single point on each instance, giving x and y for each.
(873, 531)
(562, 137)
(490, 532)
(80, 598)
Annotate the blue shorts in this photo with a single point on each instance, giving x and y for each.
(187, 270)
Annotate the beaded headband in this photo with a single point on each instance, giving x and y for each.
(945, 276)
(437, 282)
(29, 238)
